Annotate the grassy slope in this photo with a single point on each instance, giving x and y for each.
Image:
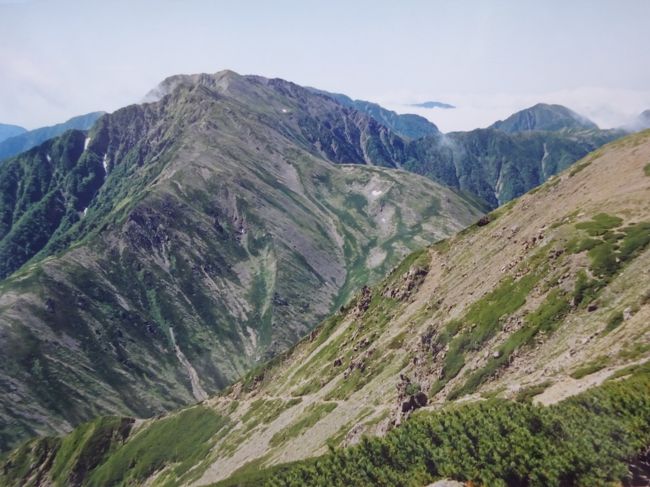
(585, 440)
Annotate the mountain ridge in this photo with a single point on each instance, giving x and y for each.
(543, 299)
(203, 229)
(180, 242)
(8, 130)
(24, 141)
(409, 126)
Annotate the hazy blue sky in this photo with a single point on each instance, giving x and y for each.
(62, 58)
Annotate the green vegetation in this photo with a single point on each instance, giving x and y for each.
(634, 351)
(614, 321)
(398, 341)
(544, 319)
(585, 440)
(481, 322)
(72, 457)
(362, 333)
(610, 249)
(646, 169)
(310, 416)
(413, 388)
(179, 441)
(527, 394)
(20, 464)
(579, 166)
(87, 446)
(360, 376)
(585, 289)
(631, 369)
(265, 411)
(589, 368)
(600, 224)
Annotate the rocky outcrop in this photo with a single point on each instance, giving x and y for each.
(407, 285)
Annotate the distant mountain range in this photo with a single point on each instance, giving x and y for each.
(432, 104)
(22, 140)
(7, 131)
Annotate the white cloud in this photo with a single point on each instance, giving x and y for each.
(606, 107)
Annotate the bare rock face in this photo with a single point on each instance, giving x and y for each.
(363, 302)
(484, 220)
(407, 285)
(410, 396)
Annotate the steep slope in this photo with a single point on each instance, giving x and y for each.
(7, 131)
(497, 166)
(180, 242)
(544, 117)
(545, 298)
(409, 126)
(42, 192)
(21, 142)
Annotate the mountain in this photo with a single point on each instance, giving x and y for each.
(409, 126)
(544, 117)
(21, 142)
(156, 258)
(497, 166)
(432, 104)
(543, 300)
(7, 131)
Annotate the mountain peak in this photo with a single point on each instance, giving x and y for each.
(7, 130)
(25, 140)
(169, 84)
(545, 117)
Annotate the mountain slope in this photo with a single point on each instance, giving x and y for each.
(544, 117)
(545, 298)
(497, 166)
(182, 241)
(21, 142)
(408, 125)
(7, 131)
(494, 165)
